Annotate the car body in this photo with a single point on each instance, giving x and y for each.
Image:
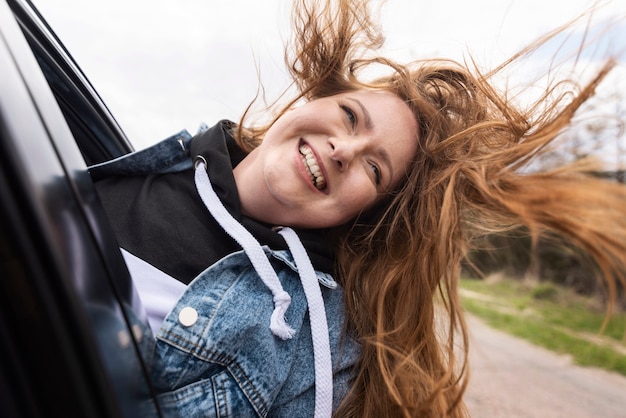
(73, 334)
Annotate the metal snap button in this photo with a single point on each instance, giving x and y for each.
(123, 339)
(188, 316)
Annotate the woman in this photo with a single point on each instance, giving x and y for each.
(386, 182)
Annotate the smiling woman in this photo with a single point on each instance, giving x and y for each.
(298, 265)
(323, 163)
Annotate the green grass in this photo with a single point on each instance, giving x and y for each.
(552, 317)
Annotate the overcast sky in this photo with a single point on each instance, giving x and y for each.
(166, 65)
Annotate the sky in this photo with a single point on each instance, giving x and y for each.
(166, 65)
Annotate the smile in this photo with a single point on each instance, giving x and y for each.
(312, 167)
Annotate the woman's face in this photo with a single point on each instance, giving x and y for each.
(322, 163)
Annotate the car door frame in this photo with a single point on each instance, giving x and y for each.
(72, 329)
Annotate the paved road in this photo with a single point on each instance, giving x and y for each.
(511, 378)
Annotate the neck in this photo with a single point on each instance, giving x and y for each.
(249, 185)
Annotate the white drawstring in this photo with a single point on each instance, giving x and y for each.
(310, 284)
(319, 325)
(252, 248)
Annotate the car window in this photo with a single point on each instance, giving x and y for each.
(97, 134)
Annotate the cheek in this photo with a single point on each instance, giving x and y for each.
(280, 181)
(358, 196)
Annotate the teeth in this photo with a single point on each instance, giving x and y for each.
(312, 167)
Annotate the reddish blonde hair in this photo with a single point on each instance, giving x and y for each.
(400, 263)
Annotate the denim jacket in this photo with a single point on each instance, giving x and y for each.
(224, 360)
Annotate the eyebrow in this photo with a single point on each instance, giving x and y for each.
(380, 151)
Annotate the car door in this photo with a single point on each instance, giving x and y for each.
(73, 336)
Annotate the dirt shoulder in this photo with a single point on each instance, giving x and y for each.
(513, 378)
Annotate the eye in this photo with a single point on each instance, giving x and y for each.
(350, 115)
(376, 171)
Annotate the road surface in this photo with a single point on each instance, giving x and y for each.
(511, 378)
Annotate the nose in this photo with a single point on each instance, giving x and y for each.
(345, 149)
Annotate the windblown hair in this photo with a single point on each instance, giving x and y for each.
(400, 262)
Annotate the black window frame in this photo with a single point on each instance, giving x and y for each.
(72, 329)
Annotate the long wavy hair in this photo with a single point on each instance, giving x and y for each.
(399, 263)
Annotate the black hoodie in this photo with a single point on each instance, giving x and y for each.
(161, 219)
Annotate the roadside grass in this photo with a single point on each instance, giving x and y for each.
(550, 316)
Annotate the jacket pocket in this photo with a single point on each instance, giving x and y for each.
(217, 396)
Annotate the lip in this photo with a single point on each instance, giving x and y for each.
(302, 168)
